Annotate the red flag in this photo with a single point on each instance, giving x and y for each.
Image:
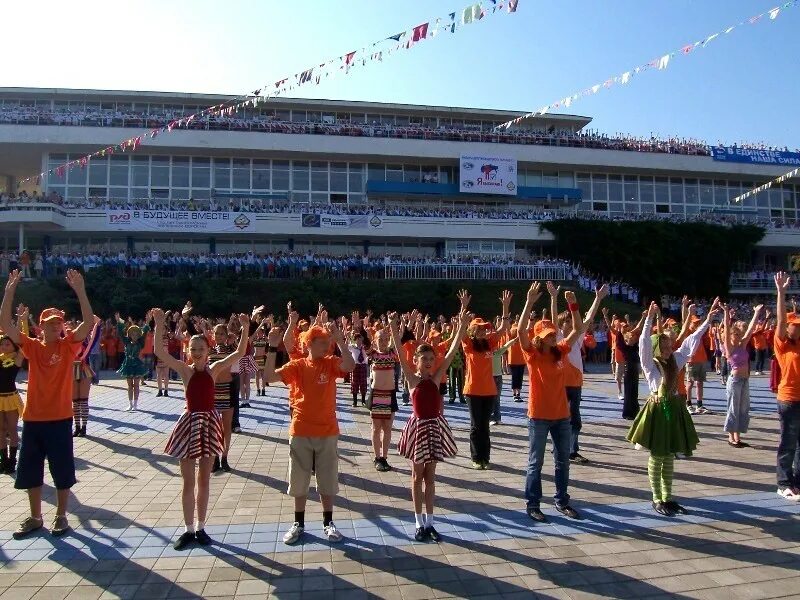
(348, 58)
(420, 32)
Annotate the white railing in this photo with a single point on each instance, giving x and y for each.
(469, 272)
(760, 285)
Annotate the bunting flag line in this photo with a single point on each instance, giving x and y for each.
(375, 52)
(766, 186)
(660, 64)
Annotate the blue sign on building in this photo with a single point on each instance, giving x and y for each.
(755, 156)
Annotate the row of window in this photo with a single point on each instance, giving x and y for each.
(294, 115)
(124, 176)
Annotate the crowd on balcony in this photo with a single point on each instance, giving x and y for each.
(270, 123)
(411, 211)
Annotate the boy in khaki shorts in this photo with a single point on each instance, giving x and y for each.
(314, 430)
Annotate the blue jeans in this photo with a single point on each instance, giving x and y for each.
(788, 468)
(94, 365)
(574, 397)
(561, 432)
(495, 416)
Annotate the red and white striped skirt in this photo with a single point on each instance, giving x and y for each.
(247, 364)
(426, 440)
(197, 434)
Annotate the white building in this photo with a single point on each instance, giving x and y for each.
(314, 153)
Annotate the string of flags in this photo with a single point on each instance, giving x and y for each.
(766, 186)
(340, 65)
(658, 64)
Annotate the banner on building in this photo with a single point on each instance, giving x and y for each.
(488, 175)
(754, 156)
(326, 221)
(794, 263)
(179, 220)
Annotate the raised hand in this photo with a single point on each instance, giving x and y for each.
(569, 295)
(334, 332)
(464, 298)
(75, 280)
(257, 310)
(551, 289)
(782, 281)
(274, 337)
(757, 310)
(187, 308)
(602, 291)
(158, 315)
(244, 320)
(534, 292)
(13, 280)
(505, 299)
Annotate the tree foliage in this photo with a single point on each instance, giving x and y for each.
(658, 257)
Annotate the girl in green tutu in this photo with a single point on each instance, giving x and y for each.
(664, 425)
(133, 368)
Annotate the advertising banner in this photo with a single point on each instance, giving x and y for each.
(488, 175)
(755, 156)
(326, 221)
(179, 220)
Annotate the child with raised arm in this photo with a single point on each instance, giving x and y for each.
(737, 387)
(664, 425)
(198, 435)
(426, 438)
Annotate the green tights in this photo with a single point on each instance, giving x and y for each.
(660, 470)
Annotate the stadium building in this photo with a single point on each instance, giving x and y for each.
(335, 177)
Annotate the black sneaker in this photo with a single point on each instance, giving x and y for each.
(166, 393)
(225, 466)
(82, 432)
(377, 464)
(159, 394)
(217, 467)
(202, 537)
(661, 508)
(568, 511)
(433, 534)
(421, 534)
(578, 459)
(535, 513)
(386, 465)
(517, 399)
(675, 508)
(77, 432)
(186, 538)
(244, 405)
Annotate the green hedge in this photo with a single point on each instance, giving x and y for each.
(223, 295)
(658, 257)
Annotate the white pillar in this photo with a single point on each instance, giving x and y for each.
(21, 237)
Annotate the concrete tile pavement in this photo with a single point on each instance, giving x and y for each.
(740, 539)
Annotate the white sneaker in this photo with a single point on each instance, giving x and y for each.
(294, 533)
(789, 493)
(621, 397)
(332, 533)
(492, 423)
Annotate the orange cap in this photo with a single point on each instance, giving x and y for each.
(51, 314)
(792, 318)
(543, 328)
(479, 323)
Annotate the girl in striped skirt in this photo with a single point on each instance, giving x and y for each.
(426, 438)
(198, 434)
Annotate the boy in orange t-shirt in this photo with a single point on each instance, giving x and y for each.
(47, 418)
(314, 430)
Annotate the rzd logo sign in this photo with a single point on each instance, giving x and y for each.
(120, 219)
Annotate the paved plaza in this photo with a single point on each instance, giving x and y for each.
(740, 539)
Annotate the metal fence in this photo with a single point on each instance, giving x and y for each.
(469, 272)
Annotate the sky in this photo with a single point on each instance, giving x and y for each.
(742, 87)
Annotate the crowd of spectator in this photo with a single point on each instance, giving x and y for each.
(270, 123)
(411, 211)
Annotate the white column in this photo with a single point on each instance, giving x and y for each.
(21, 237)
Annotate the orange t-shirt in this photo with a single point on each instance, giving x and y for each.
(314, 407)
(148, 343)
(440, 350)
(700, 355)
(760, 340)
(409, 348)
(479, 380)
(299, 350)
(50, 377)
(547, 393)
(788, 356)
(515, 355)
